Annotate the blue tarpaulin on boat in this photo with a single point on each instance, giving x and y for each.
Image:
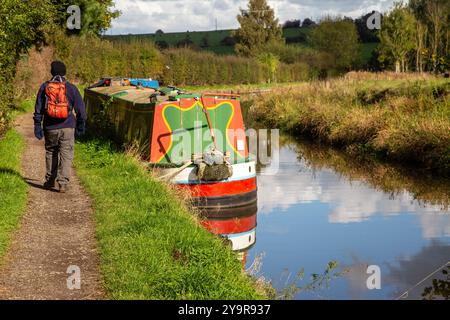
(146, 83)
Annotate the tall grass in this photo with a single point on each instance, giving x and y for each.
(402, 120)
(151, 247)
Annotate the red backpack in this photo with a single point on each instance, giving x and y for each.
(58, 105)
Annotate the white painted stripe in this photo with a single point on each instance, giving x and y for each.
(241, 171)
(241, 241)
(210, 182)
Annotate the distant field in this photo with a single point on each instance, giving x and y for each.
(213, 39)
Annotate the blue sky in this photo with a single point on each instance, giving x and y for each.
(146, 16)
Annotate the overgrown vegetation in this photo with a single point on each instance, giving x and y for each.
(403, 120)
(339, 38)
(24, 24)
(150, 246)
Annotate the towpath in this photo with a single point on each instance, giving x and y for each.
(56, 235)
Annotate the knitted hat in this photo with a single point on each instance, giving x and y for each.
(58, 68)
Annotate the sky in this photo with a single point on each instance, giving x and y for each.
(147, 16)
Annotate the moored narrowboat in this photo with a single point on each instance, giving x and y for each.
(195, 141)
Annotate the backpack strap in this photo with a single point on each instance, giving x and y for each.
(58, 78)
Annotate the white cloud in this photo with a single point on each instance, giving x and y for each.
(146, 16)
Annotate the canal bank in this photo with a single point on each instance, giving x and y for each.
(151, 246)
(405, 121)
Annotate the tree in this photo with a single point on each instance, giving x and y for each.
(432, 34)
(228, 41)
(307, 23)
(292, 24)
(161, 44)
(271, 62)
(186, 42)
(418, 8)
(34, 22)
(96, 15)
(365, 34)
(205, 41)
(339, 38)
(397, 36)
(258, 26)
(437, 13)
(22, 24)
(159, 32)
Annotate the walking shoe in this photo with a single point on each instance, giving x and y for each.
(62, 188)
(49, 185)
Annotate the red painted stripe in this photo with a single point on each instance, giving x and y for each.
(220, 188)
(230, 226)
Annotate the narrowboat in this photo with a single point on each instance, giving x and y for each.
(195, 141)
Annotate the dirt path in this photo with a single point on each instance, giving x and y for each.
(56, 231)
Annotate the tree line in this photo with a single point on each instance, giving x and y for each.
(413, 36)
(416, 36)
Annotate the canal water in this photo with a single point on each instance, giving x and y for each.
(333, 227)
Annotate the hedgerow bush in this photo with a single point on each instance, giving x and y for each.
(90, 58)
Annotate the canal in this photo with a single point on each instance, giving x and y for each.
(328, 222)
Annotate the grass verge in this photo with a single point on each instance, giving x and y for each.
(13, 189)
(150, 246)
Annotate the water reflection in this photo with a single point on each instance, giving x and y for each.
(237, 226)
(305, 179)
(325, 205)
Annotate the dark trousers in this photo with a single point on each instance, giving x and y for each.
(59, 154)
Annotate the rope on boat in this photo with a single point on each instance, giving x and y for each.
(174, 172)
(406, 293)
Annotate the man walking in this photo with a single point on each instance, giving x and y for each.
(54, 119)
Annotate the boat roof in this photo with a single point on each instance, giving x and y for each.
(130, 93)
(144, 95)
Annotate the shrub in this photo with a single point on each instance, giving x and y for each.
(90, 58)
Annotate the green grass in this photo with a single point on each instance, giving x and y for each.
(13, 189)
(150, 246)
